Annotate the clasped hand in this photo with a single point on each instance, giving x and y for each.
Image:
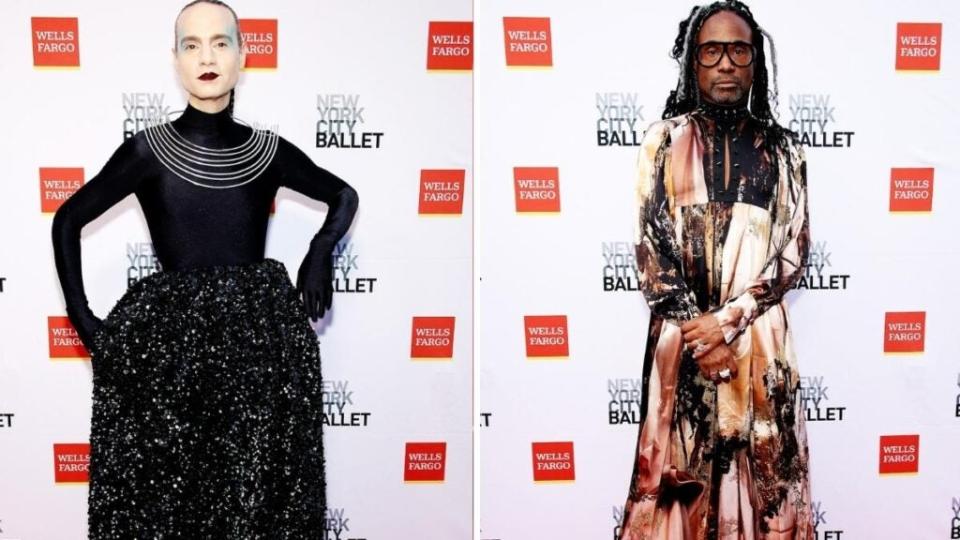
(704, 337)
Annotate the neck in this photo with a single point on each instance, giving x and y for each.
(211, 106)
(197, 118)
(724, 112)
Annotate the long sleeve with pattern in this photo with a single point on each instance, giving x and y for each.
(788, 259)
(659, 263)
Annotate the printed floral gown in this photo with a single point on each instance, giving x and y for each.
(722, 228)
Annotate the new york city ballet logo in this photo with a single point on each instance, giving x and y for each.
(536, 189)
(141, 261)
(71, 463)
(336, 525)
(819, 275)
(814, 118)
(553, 461)
(450, 46)
(911, 189)
(6, 420)
(904, 331)
(441, 191)
(620, 267)
(260, 43)
(424, 461)
(624, 401)
(431, 338)
(955, 521)
(346, 270)
(339, 408)
(57, 184)
(956, 410)
(138, 107)
(821, 528)
(56, 42)
(899, 454)
(63, 341)
(918, 46)
(815, 399)
(619, 118)
(527, 41)
(546, 336)
(341, 123)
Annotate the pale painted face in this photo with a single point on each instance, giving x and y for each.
(208, 56)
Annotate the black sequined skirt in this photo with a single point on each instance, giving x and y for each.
(207, 412)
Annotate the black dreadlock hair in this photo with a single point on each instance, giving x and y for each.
(236, 24)
(686, 97)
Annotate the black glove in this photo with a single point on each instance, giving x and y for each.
(87, 325)
(315, 281)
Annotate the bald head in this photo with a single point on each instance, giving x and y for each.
(208, 53)
(204, 13)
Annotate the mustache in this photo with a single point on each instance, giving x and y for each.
(726, 81)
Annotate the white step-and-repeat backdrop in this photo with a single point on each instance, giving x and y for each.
(396, 350)
(563, 93)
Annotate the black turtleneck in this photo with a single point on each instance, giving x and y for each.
(193, 226)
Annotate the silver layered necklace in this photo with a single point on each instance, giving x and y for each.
(216, 168)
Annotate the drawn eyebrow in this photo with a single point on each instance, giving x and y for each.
(213, 38)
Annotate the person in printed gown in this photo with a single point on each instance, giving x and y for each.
(722, 234)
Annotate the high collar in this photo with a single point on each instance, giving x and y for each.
(724, 114)
(195, 118)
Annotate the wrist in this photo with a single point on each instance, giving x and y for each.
(735, 315)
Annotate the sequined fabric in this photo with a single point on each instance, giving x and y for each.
(207, 416)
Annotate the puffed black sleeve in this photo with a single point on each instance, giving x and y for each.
(118, 178)
(299, 173)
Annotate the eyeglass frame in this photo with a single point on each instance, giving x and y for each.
(726, 45)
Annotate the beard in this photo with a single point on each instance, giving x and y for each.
(728, 95)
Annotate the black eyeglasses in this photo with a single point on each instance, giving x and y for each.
(710, 53)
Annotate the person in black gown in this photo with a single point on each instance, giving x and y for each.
(207, 400)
